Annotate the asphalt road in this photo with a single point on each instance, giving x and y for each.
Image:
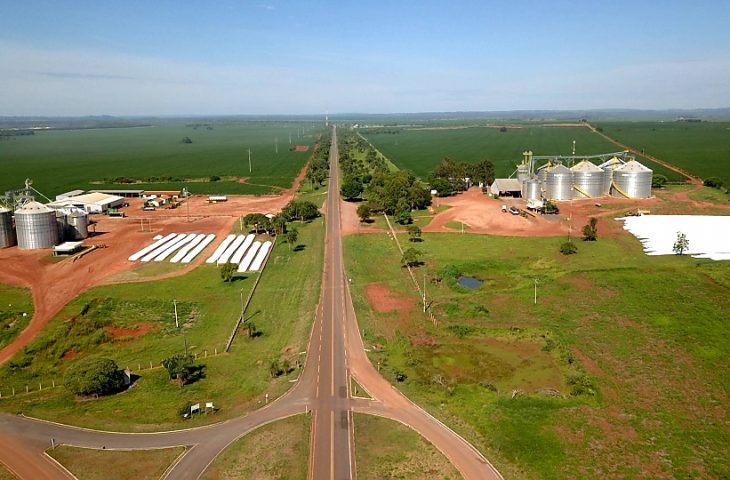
(335, 353)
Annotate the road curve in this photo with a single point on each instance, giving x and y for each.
(335, 352)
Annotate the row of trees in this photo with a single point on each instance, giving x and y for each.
(450, 176)
(319, 166)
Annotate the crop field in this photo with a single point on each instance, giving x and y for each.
(619, 371)
(701, 148)
(134, 325)
(420, 150)
(155, 158)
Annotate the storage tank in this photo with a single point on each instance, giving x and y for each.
(632, 180)
(7, 232)
(608, 167)
(523, 172)
(78, 225)
(61, 225)
(531, 189)
(558, 183)
(587, 180)
(36, 226)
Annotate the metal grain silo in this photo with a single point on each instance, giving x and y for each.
(531, 189)
(36, 226)
(608, 167)
(61, 225)
(632, 180)
(558, 183)
(7, 232)
(523, 172)
(78, 225)
(587, 180)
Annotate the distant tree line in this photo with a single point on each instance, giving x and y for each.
(451, 176)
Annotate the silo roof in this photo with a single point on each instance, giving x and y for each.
(633, 166)
(3, 210)
(584, 166)
(611, 162)
(33, 208)
(559, 169)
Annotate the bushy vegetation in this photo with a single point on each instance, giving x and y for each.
(568, 248)
(94, 376)
(455, 175)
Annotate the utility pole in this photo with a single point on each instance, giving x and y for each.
(177, 323)
(276, 144)
(535, 290)
(241, 304)
(424, 292)
(187, 201)
(249, 160)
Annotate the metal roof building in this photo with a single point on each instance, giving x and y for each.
(91, 202)
(508, 186)
(72, 193)
(121, 193)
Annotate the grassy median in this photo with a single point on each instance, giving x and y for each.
(90, 464)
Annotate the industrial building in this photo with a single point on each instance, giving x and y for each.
(90, 202)
(569, 177)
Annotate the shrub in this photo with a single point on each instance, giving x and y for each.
(568, 248)
(581, 384)
(658, 180)
(713, 182)
(590, 231)
(94, 376)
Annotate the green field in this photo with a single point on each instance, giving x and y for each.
(63, 160)
(279, 450)
(420, 150)
(701, 148)
(134, 325)
(16, 310)
(635, 348)
(387, 450)
(89, 464)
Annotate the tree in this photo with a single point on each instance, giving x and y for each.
(681, 244)
(414, 232)
(278, 223)
(590, 232)
(658, 180)
(251, 329)
(411, 257)
(442, 187)
(363, 211)
(483, 172)
(568, 248)
(186, 140)
(291, 237)
(94, 376)
(350, 188)
(713, 182)
(227, 271)
(179, 367)
(258, 220)
(275, 369)
(303, 210)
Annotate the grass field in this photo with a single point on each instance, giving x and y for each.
(702, 148)
(387, 450)
(16, 310)
(88, 464)
(420, 150)
(63, 160)
(134, 325)
(636, 346)
(5, 473)
(276, 451)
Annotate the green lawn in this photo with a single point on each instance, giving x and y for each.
(420, 150)
(5, 473)
(636, 348)
(92, 159)
(88, 464)
(16, 310)
(713, 195)
(134, 325)
(279, 450)
(702, 148)
(387, 450)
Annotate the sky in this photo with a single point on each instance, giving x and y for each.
(135, 57)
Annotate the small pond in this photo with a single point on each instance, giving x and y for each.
(469, 282)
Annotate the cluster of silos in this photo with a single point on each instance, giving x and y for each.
(614, 177)
(38, 226)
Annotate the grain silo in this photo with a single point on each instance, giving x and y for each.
(36, 226)
(531, 189)
(587, 180)
(558, 183)
(77, 225)
(61, 225)
(7, 232)
(632, 180)
(608, 167)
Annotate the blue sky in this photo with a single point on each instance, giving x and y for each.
(300, 57)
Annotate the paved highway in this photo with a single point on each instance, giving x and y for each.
(335, 353)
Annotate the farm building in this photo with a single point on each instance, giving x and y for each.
(120, 193)
(72, 193)
(90, 202)
(509, 187)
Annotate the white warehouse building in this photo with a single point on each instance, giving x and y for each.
(90, 202)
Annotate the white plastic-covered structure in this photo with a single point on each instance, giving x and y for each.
(185, 249)
(258, 264)
(149, 248)
(249, 257)
(707, 234)
(221, 248)
(228, 253)
(238, 256)
(199, 248)
(171, 247)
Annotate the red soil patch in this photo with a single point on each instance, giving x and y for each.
(350, 222)
(137, 331)
(383, 300)
(70, 354)
(299, 148)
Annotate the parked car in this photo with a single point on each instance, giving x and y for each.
(514, 211)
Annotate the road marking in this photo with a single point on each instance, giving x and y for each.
(332, 444)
